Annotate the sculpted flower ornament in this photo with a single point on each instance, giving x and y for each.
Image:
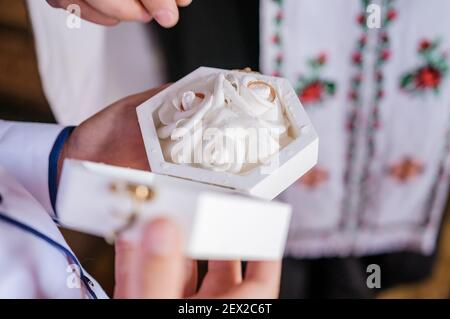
(226, 123)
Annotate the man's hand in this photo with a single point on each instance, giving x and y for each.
(111, 12)
(155, 268)
(112, 136)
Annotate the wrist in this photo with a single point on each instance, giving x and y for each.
(62, 156)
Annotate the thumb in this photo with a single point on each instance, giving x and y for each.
(161, 262)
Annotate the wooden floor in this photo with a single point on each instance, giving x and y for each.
(21, 98)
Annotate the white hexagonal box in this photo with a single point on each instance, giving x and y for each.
(212, 131)
(234, 130)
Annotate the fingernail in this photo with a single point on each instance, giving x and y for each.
(160, 239)
(166, 18)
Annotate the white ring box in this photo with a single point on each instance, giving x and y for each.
(282, 170)
(224, 216)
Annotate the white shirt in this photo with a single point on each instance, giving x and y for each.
(85, 69)
(379, 99)
(35, 260)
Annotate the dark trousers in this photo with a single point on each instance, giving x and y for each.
(347, 277)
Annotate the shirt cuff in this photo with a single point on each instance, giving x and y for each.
(24, 153)
(53, 165)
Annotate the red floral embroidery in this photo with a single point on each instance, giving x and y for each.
(322, 59)
(430, 75)
(354, 92)
(279, 58)
(357, 58)
(424, 45)
(351, 123)
(276, 73)
(314, 178)
(374, 121)
(379, 76)
(406, 169)
(385, 55)
(279, 17)
(353, 95)
(311, 93)
(392, 14)
(313, 89)
(277, 39)
(363, 40)
(361, 19)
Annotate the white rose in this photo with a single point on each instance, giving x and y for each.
(223, 124)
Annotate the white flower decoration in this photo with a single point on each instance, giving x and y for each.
(222, 120)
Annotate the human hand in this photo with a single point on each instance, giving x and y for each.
(111, 12)
(111, 136)
(156, 268)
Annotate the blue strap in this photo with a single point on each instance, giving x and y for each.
(86, 281)
(53, 164)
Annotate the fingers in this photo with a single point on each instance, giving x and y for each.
(123, 10)
(191, 273)
(226, 271)
(87, 12)
(111, 12)
(123, 263)
(183, 3)
(266, 275)
(262, 280)
(221, 276)
(161, 261)
(165, 12)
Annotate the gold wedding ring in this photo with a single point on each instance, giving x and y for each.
(255, 84)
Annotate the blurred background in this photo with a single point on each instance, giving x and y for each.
(22, 99)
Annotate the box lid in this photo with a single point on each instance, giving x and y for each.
(100, 200)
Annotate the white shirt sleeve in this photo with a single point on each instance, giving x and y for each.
(35, 260)
(76, 85)
(24, 153)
